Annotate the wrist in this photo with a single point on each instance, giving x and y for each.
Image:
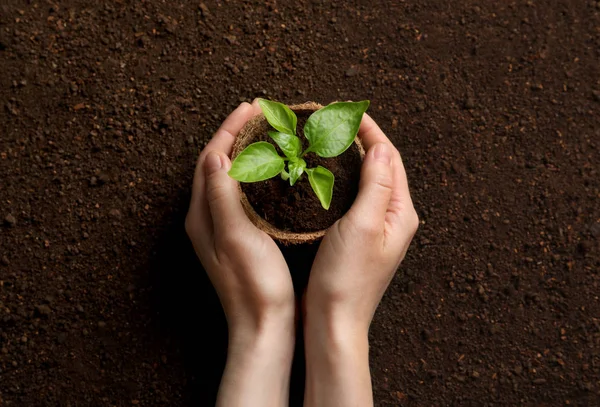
(270, 330)
(337, 360)
(336, 329)
(258, 365)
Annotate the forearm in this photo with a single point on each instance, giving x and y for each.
(337, 364)
(258, 366)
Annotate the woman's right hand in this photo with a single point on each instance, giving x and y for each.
(354, 265)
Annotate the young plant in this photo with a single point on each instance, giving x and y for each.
(329, 131)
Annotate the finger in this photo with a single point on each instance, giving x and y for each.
(400, 209)
(400, 200)
(222, 141)
(225, 136)
(256, 107)
(370, 133)
(222, 194)
(375, 189)
(199, 213)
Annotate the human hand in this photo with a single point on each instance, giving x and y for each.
(249, 274)
(353, 267)
(360, 253)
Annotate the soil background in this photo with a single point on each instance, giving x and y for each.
(494, 105)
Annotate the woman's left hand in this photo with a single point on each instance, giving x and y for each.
(249, 274)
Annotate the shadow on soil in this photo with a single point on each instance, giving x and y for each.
(190, 312)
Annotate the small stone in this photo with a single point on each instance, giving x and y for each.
(352, 71)
(115, 213)
(103, 178)
(537, 86)
(469, 103)
(420, 106)
(595, 229)
(10, 220)
(539, 381)
(43, 310)
(93, 181)
(475, 374)
(231, 39)
(204, 10)
(101, 324)
(460, 378)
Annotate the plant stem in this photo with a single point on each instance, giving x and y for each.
(305, 151)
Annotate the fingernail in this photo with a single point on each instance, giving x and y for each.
(382, 153)
(212, 162)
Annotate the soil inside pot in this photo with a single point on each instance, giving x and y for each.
(297, 208)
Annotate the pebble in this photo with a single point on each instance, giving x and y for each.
(231, 39)
(539, 381)
(101, 324)
(595, 229)
(43, 310)
(115, 213)
(469, 103)
(204, 10)
(352, 71)
(103, 178)
(10, 220)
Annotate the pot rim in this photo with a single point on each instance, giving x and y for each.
(243, 139)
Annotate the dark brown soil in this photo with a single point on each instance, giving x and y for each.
(494, 105)
(297, 208)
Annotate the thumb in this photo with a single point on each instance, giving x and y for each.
(222, 193)
(375, 189)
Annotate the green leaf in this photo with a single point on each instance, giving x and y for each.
(290, 145)
(279, 116)
(321, 181)
(296, 168)
(258, 162)
(332, 129)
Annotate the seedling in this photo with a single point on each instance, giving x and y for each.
(329, 131)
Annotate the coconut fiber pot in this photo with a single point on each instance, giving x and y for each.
(258, 127)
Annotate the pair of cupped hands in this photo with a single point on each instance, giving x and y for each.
(355, 263)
